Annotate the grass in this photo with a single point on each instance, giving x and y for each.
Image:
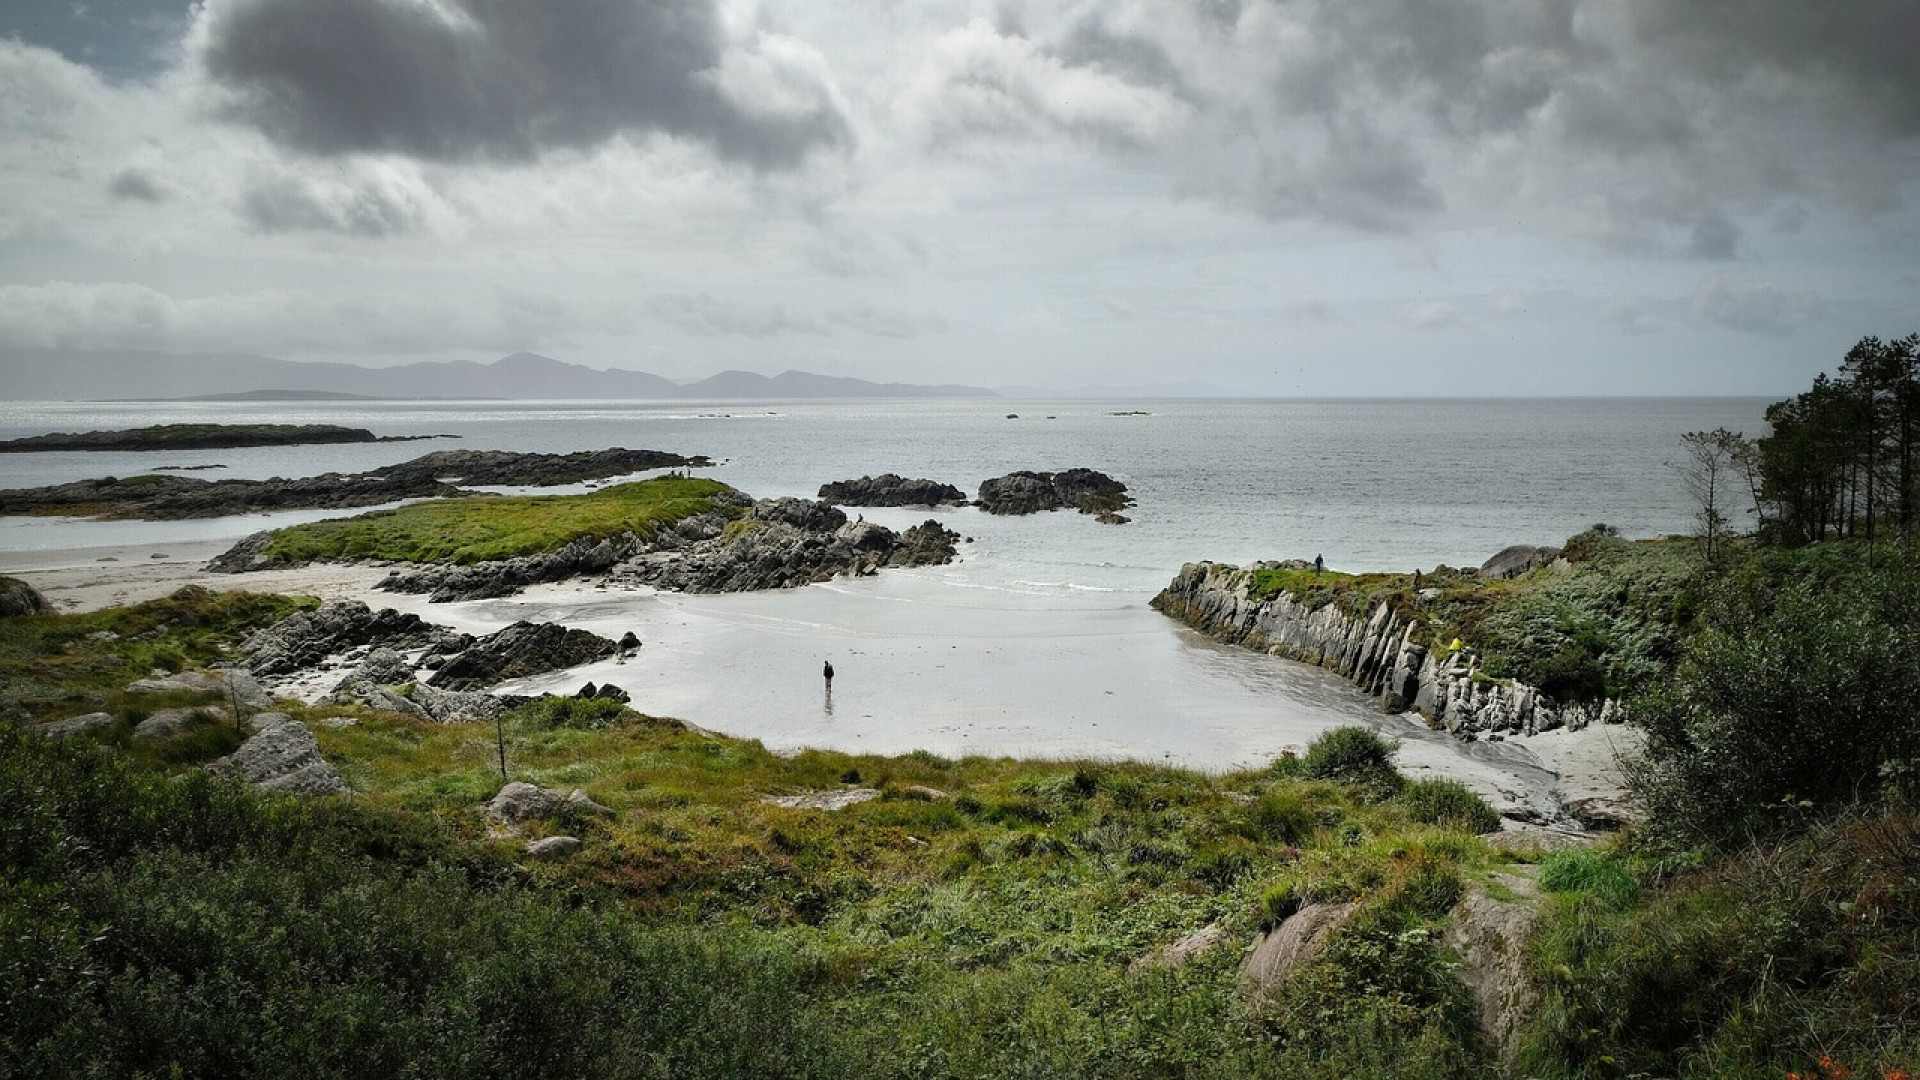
(982, 917)
(478, 529)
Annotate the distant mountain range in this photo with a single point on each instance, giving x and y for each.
(62, 375)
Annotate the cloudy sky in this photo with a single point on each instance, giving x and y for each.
(1324, 197)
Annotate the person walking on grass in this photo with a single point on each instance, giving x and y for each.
(1318, 564)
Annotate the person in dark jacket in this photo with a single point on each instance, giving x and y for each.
(826, 671)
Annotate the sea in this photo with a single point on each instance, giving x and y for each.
(1039, 640)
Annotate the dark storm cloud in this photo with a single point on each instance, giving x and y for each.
(500, 80)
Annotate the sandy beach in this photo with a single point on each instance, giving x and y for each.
(921, 665)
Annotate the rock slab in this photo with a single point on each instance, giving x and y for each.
(283, 756)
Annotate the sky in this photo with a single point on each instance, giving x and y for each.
(1312, 198)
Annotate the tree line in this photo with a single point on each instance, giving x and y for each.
(1841, 460)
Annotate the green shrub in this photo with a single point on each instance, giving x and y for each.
(1450, 804)
(552, 713)
(1353, 754)
(1280, 816)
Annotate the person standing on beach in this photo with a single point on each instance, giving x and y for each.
(826, 671)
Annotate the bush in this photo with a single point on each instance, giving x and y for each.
(1593, 874)
(1450, 804)
(1353, 754)
(551, 713)
(1794, 695)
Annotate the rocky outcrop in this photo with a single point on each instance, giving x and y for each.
(166, 723)
(198, 437)
(520, 650)
(418, 699)
(304, 639)
(1085, 490)
(584, 557)
(892, 489)
(282, 756)
(1378, 653)
(437, 475)
(786, 543)
(19, 598)
(1513, 561)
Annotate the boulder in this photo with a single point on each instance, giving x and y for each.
(1513, 561)
(166, 723)
(282, 756)
(553, 847)
(75, 725)
(19, 598)
(386, 667)
(892, 489)
(520, 802)
(1296, 942)
(520, 650)
(236, 683)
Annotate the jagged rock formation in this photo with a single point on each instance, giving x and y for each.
(520, 650)
(785, 543)
(892, 489)
(304, 639)
(19, 598)
(1378, 654)
(1085, 490)
(441, 474)
(282, 755)
(418, 699)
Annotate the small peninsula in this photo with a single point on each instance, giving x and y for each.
(442, 474)
(203, 437)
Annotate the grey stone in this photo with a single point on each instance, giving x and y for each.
(166, 723)
(519, 802)
(580, 800)
(1491, 937)
(283, 756)
(75, 725)
(1297, 941)
(520, 650)
(19, 598)
(823, 800)
(553, 847)
(1513, 561)
(237, 682)
(1186, 949)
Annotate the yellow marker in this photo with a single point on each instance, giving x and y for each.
(1455, 647)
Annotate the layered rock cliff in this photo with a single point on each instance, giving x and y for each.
(1378, 653)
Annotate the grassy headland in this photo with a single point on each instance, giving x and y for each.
(979, 917)
(471, 530)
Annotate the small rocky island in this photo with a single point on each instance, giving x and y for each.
(673, 533)
(203, 437)
(445, 473)
(1084, 490)
(892, 489)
